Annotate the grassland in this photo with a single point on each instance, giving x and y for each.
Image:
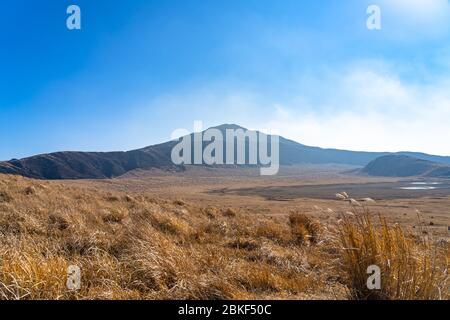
(137, 244)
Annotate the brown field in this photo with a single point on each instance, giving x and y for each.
(222, 234)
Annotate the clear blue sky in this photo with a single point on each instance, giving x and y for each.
(139, 69)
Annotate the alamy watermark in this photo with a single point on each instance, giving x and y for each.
(374, 280)
(73, 278)
(374, 19)
(73, 22)
(227, 146)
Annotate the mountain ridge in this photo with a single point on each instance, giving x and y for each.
(104, 165)
(406, 166)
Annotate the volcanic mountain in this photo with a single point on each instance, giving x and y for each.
(405, 166)
(100, 165)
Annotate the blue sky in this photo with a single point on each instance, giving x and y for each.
(139, 69)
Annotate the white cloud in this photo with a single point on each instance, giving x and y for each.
(375, 111)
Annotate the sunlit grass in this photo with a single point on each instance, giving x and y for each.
(136, 247)
(411, 267)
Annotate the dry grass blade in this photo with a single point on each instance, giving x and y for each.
(410, 269)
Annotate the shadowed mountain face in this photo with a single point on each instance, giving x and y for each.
(404, 166)
(100, 165)
(90, 165)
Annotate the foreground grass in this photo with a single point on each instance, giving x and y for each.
(138, 247)
(411, 267)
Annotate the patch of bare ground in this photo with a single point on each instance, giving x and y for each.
(135, 245)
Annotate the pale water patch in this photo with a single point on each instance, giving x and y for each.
(418, 188)
(421, 186)
(426, 183)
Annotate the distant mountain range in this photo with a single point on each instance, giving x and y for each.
(405, 166)
(100, 165)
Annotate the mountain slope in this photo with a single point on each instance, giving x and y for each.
(405, 166)
(100, 165)
(88, 165)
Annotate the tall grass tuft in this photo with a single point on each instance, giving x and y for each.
(411, 268)
(304, 229)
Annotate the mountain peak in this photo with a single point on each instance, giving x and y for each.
(228, 126)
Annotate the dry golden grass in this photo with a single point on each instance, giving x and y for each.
(304, 229)
(411, 267)
(134, 246)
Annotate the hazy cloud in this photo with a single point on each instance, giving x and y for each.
(374, 110)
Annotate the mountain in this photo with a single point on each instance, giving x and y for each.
(100, 165)
(406, 166)
(90, 165)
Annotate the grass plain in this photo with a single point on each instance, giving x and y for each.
(193, 235)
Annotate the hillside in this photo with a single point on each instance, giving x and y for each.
(89, 165)
(405, 166)
(100, 165)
